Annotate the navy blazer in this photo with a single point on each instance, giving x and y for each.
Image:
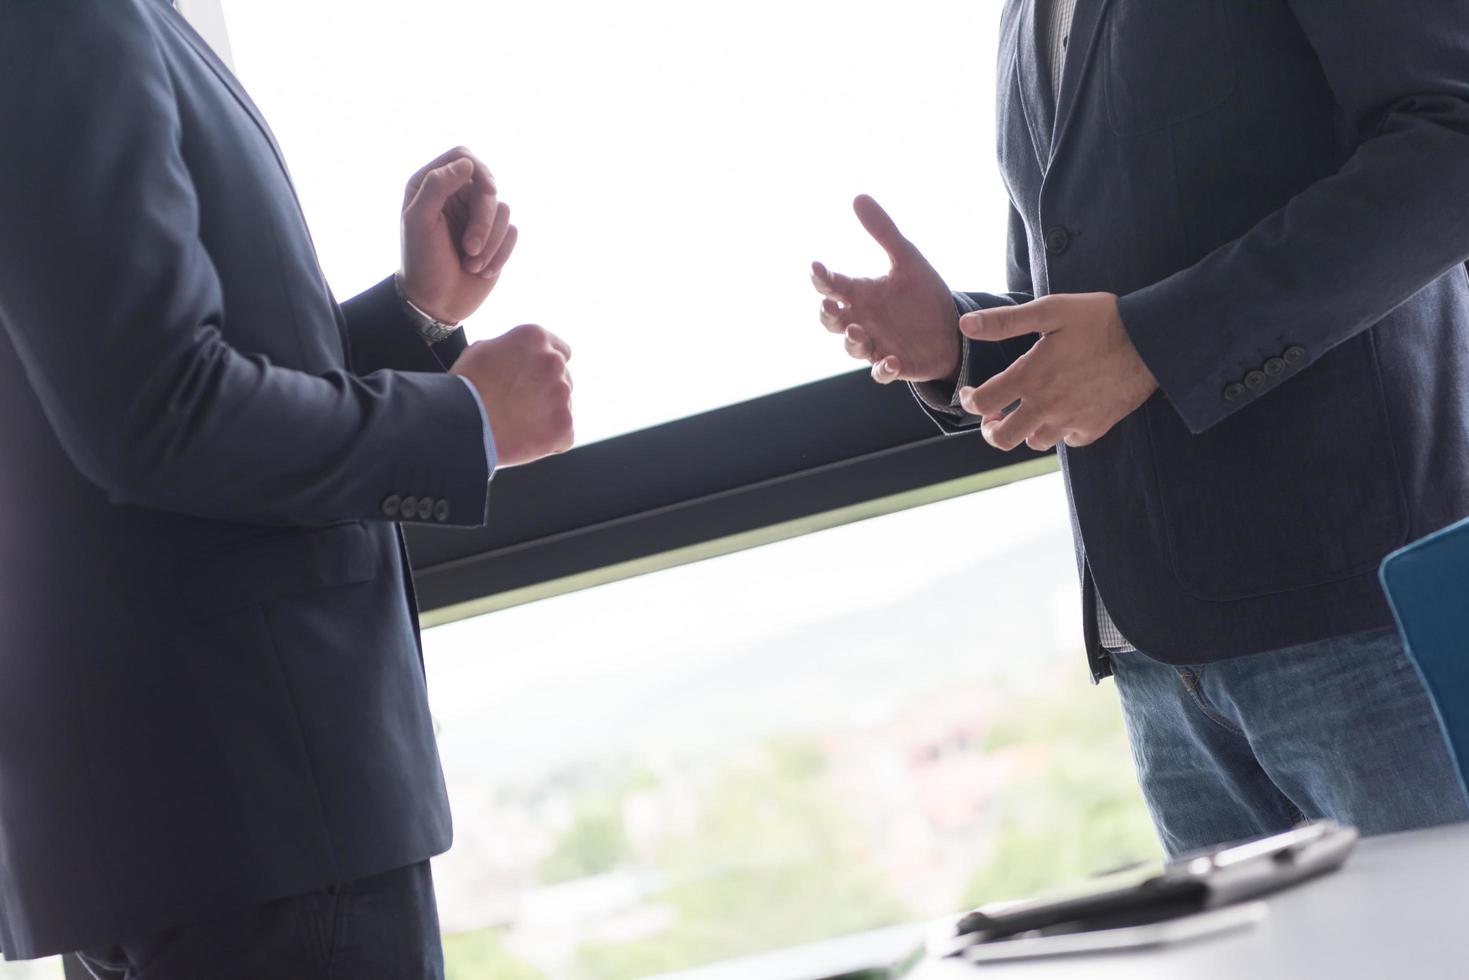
(211, 687)
(1278, 190)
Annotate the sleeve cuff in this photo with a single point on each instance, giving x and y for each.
(938, 396)
(941, 396)
(491, 457)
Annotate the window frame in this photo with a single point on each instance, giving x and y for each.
(819, 455)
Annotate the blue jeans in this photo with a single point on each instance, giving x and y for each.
(1340, 729)
(381, 928)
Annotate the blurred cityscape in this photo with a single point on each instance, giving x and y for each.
(709, 774)
(614, 872)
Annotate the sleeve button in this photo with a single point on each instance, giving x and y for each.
(441, 511)
(1275, 367)
(409, 508)
(1234, 392)
(1254, 379)
(426, 508)
(1294, 355)
(391, 504)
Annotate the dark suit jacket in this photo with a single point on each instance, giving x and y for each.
(211, 689)
(1279, 192)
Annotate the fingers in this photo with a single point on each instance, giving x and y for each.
(1043, 438)
(493, 240)
(883, 229)
(499, 229)
(832, 285)
(484, 179)
(502, 255)
(436, 188)
(834, 316)
(559, 345)
(887, 370)
(485, 210)
(1013, 429)
(857, 343)
(991, 399)
(1004, 322)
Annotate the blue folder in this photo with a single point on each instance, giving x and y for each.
(1427, 584)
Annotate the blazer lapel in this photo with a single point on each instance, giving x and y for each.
(185, 30)
(1035, 79)
(227, 77)
(1085, 27)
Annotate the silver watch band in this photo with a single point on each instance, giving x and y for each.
(432, 330)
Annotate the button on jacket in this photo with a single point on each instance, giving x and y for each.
(1278, 191)
(211, 686)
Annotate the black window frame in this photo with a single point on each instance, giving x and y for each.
(777, 466)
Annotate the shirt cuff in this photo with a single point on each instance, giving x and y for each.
(491, 457)
(939, 396)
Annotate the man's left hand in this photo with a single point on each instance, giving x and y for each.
(1082, 377)
(457, 236)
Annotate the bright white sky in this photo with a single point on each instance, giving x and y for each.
(673, 166)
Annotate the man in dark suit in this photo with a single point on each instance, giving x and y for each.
(216, 756)
(1237, 305)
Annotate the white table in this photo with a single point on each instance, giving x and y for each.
(1398, 909)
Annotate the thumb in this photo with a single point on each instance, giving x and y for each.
(883, 229)
(1004, 322)
(438, 186)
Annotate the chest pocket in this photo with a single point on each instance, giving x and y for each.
(1165, 61)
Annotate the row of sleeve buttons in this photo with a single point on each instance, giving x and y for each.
(1269, 371)
(415, 508)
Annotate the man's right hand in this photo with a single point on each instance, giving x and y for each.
(904, 324)
(525, 386)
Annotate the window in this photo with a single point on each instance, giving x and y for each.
(843, 733)
(673, 167)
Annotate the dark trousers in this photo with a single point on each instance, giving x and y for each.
(380, 928)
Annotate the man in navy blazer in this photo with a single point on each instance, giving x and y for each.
(216, 755)
(1237, 305)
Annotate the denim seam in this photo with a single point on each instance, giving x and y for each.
(1290, 805)
(1195, 692)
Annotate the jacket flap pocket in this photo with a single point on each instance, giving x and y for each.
(274, 566)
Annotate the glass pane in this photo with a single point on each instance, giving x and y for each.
(859, 729)
(673, 167)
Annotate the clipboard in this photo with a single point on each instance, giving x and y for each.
(1185, 898)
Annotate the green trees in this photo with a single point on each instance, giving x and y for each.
(1081, 813)
(774, 861)
(595, 843)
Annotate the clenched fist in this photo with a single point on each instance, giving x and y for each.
(524, 383)
(457, 236)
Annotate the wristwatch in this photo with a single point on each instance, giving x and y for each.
(431, 329)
